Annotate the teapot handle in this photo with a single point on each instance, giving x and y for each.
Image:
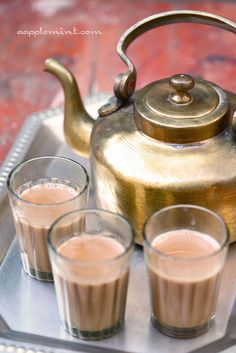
(125, 82)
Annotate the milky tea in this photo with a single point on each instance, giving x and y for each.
(184, 268)
(40, 191)
(91, 269)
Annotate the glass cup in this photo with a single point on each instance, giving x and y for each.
(185, 250)
(90, 252)
(41, 190)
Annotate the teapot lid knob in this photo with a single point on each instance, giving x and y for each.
(182, 84)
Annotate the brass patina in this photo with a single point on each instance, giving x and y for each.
(170, 142)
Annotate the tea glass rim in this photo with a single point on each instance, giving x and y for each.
(190, 259)
(22, 164)
(89, 262)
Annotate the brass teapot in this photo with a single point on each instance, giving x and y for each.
(170, 142)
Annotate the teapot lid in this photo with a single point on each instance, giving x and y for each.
(181, 109)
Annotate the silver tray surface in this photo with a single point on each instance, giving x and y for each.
(29, 320)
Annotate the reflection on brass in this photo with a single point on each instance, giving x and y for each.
(172, 142)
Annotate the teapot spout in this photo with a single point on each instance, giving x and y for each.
(78, 123)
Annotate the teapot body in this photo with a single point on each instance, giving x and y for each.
(136, 175)
(172, 142)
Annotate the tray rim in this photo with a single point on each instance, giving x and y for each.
(27, 134)
(22, 143)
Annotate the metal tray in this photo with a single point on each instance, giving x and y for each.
(29, 320)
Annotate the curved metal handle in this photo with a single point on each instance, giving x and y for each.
(125, 85)
(125, 82)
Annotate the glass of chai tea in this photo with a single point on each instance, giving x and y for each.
(185, 250)
(90, 252)
(41, 190)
